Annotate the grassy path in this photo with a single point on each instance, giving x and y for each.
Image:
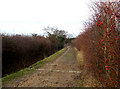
(64, 71)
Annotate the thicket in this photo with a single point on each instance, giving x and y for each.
(20, 51)
(100, 43)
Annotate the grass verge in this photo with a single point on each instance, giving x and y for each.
(31, 69)
(70, 55)
(87, 79)
(79, 56)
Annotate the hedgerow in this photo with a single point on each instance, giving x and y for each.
(100, 43)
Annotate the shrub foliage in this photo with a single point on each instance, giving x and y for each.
(20, 51)
(100, 43)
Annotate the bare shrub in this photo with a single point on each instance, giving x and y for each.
(100, 44)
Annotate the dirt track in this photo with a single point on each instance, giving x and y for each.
(63, 72)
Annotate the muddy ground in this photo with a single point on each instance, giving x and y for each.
(63, 72)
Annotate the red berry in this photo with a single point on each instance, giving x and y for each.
(106, 66)
(112, 82)
(106, 59)
(116, 38)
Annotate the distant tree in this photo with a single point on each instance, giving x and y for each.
(69, 36)
(34, 35)
(57, 37)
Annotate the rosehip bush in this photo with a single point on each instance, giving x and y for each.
(100, 43)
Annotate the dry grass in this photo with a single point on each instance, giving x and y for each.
(79, 56)
(87, 79)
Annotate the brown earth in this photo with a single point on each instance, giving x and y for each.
(63, 72)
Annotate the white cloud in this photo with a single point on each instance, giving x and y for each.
(33, 15)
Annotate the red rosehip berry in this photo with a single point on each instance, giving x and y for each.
(112, 82)
(106, 66)
(106, 59)
(116, 38)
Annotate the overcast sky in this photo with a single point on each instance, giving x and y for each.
(31, 16)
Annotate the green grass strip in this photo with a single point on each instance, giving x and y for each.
(31, 69)
(48, 59)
